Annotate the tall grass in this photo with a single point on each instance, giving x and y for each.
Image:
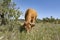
(47, 31)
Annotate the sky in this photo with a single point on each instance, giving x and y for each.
(44, 8)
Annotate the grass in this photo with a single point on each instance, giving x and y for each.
(47, 31)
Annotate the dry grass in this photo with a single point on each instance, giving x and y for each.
(41, 31)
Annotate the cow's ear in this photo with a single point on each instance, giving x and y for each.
(26, 22)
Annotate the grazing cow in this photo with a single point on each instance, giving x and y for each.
(30, 18)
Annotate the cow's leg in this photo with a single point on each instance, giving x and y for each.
(33, 21)
(28, 26)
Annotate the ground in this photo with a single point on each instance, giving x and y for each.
(41, 31)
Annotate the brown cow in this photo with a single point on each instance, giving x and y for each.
(30, 18)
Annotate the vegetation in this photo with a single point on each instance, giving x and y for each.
(10, 25)
(41, 31)
(49, 20)
(8, 11)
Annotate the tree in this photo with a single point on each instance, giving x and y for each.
(52, 19)
(8, 11)
(3, 10)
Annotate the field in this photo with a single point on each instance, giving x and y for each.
(41, 31)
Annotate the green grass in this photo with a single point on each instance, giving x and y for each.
(47, 31)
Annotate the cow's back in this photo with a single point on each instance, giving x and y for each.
(30, 13)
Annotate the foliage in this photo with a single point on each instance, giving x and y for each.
(50, 20)
(8, 11)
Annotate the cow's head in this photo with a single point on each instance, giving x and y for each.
(27, 25)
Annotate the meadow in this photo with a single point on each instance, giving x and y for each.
(10, 24)
(41, 31)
